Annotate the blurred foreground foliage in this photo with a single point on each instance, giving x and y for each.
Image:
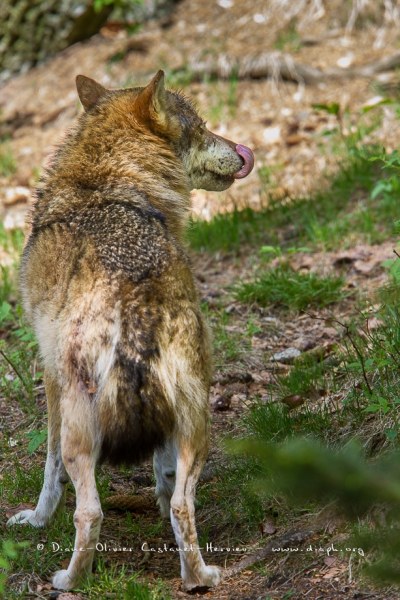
(303, 471)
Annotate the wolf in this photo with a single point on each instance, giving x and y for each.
(108, 287)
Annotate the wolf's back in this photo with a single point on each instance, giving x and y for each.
(100, 323)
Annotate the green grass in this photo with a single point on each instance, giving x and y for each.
(228, 345)
(235, 515)
(8, 552)
(8, 165)
(363, 373)
(288, 39)
(25, 485)
(11, 241)
(178, 78)
(275, 423)
(18, 349)
(372, 361)
(308, 377)
(306, 473)
(38, 554)
(285, 288)
(122, 585)
(225, 101)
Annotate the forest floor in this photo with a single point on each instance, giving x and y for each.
(314, 214)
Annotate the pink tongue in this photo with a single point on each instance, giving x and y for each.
(248, 157)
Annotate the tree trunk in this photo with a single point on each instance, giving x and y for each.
(33, 30)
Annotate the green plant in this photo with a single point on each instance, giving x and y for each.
(123, 4)
(373, 357)
(228, 344)
(308, 377)
(8, 553)
(225, 100)
(178, 78)
(8, 166)
(289, 39)
(273, 422)
(11, 241)
(18, 348)
(7, 284)
(223, 232)
(305, 471)
(284, 287)
(125, 585)
(36, 439)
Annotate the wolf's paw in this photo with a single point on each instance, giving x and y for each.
(164, 504)
(210, 576)
(62, 581)
(25, 517)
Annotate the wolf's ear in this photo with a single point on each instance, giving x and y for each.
(155, 94)
(154, 105)
(89, 91)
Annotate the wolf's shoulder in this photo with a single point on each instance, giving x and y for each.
(128, 238)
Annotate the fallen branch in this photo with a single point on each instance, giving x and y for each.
(284, 541)
(278, 65)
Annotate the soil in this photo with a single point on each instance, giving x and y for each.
(288, 135)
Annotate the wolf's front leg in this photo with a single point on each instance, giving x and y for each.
(53, 486)
(55, 476)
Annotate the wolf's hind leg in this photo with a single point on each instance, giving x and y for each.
(80, 450)
(55, 476)
(164, 463)
(191, 454)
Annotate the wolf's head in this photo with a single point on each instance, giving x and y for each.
(211, 162)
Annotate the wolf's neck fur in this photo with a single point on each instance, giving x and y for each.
(115, 160)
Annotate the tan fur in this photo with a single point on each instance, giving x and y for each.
(110, 293)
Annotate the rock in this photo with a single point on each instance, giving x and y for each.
(286, 356)
(14, 220)
(222, 403)
(345, 61)
(272, 135)
(293, 401)
(294, 139)
(12, 195)
(268, 527)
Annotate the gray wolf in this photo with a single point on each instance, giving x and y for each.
(109, 289)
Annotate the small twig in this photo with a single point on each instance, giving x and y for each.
(280, 65)
(283, 541)
(16, 370)
(361, 358)
(297, 573)
(350, 579)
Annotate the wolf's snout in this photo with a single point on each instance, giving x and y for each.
(248, 161)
